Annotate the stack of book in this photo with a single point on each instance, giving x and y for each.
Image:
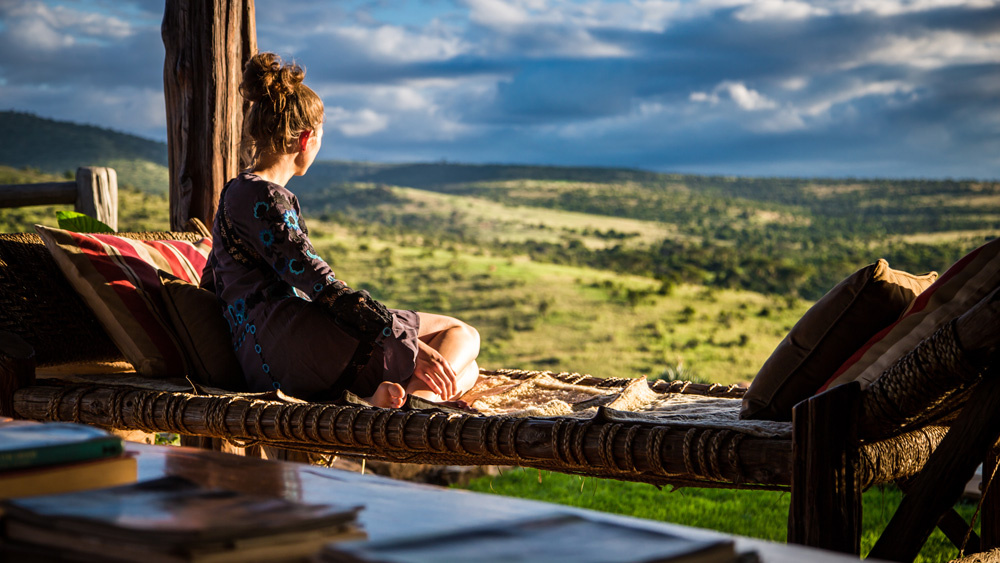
(170, 520)
(57, 457)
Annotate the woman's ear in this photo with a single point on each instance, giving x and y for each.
(304, 139)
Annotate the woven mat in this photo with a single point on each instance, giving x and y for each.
(545, 396)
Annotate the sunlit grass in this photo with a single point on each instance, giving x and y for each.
(542, 316)
(756, 514)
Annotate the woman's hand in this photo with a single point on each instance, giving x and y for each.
(433, 369)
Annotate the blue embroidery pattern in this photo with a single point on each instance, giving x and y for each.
(291, 220)
(260, 208)
(267, 237)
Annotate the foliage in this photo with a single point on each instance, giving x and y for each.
(800, 238)
(757, 514)
(81, 223)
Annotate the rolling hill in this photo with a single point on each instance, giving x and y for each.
(783, 236)
(58, 147)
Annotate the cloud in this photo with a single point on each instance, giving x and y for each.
(745, 98)
(396, 44)
(498, 13)
(47, 27)
(777, 10)
(843, 87)
(360, 123)
(933, 49)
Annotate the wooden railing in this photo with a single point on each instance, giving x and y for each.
(95, 192)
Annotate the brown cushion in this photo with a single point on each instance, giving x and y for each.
(964, 284)
(203, 333)
(830, 331)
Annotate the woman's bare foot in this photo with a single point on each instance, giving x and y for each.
(389, 395)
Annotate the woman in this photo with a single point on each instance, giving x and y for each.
(286, 309)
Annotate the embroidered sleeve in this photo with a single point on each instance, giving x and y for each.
(278, 233)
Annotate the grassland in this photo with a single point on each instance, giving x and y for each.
(544, 316)
(757, 514)
(616, 273)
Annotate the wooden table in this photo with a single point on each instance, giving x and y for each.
(398, 508)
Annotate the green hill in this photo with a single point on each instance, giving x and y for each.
(780, 236)
(55, 147)
(441, 176)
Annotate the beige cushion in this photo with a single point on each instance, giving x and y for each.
(830, 331)
(116, 277)
(965, 283)
(203, 334)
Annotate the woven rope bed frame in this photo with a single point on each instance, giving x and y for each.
(889, 431)
(607, 445)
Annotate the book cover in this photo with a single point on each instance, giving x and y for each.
(32, 444)
(561, 538)
(68, 477)
(173, 519)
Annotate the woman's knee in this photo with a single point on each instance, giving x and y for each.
(469, 333)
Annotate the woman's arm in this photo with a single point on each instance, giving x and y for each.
(268, 217)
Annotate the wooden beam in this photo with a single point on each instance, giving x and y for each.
(990, 527)
(943, 479)
(419, 436)
(42, 193)
(207, 44)
(97, 194)
(17, 369)
(825, 509)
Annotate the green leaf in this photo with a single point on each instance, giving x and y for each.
(81, 223)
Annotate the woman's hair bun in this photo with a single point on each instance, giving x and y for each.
(266, 76)
(281, 107)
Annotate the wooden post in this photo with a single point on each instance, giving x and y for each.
(17, 369)
(825, 509)
(990, 528)
(943, 479)
(97, 194)
(207, 44)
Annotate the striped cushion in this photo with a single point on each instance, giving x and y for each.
(117, 278)
(966, 283)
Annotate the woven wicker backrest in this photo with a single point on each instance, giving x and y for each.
(928, 385)
(38, 304)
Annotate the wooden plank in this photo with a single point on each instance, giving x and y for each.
(17, 369)
(207, 43)
(825, 508)
(941, 483)
(42, 193)
(990, 528)
(97, 194)
(418, 436)
(952, 524)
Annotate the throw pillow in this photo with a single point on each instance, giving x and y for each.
(966, 283)
(116, 277)
(830, 331)
(203, 333)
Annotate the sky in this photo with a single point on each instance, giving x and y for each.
(816, 88)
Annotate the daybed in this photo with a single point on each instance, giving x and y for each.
(841, 442)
